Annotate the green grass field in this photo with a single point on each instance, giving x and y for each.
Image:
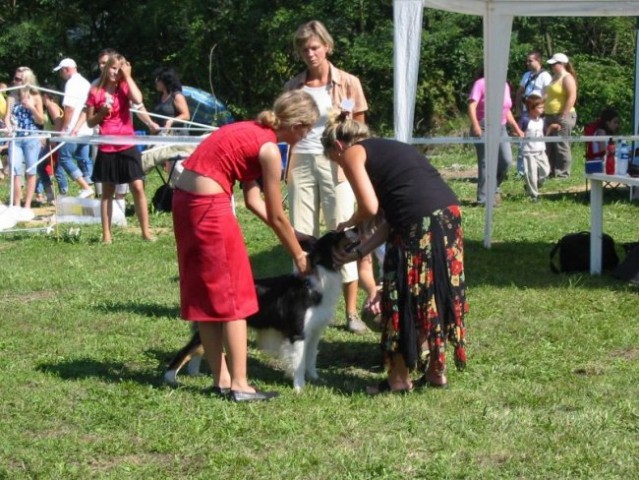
(550, 391)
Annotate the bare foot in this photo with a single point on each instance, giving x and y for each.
(432, 380)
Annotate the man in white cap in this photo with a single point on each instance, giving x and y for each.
(76, 91)
(533, 82)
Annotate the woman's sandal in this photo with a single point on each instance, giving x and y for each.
(425, 382)
(384, 387)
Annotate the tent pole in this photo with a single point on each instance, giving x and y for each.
(497, 31)
(407, 18)
(635, 113)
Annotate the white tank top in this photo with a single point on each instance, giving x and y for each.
(312, 143)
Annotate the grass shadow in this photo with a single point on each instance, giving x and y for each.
(348, 366)
(344, 366)
(610, 196)
(118, 372)
(152, 310)
(525, 264)
(106, 371)
(272, 262)
(453, 180)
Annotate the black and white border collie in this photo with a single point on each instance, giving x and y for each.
(293, 313)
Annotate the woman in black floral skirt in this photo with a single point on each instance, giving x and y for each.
(423, 300)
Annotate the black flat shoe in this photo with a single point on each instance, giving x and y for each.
(220, 392)
(257, 396)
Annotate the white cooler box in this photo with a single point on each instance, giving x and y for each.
(87, 210)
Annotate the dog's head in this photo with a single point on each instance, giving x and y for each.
(321, 251)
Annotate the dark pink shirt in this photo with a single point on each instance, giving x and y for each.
(119, 121)
(478, 94)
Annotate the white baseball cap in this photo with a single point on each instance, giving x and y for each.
(66, 63)
(558, 58)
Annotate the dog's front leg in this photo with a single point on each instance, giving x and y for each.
(297, 364)
(310, 352)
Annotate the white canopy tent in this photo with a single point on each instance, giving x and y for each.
(498, 18)
(636, 110)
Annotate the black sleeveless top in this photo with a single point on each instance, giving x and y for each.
(407, 185)
(165, 108)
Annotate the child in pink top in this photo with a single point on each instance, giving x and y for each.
(108, 105)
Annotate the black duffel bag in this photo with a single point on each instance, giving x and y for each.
(574, 253)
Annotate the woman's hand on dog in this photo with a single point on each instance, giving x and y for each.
(341, 256)
(344, 225)
(302, 265)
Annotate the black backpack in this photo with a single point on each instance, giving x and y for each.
(574, 253)
(163, 198)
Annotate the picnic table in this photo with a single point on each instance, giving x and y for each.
(597, 181)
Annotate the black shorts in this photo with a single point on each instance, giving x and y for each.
(124, 166)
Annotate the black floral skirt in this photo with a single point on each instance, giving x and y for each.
(424, 297)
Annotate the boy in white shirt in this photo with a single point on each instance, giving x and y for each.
(536, 166)
(533, 82)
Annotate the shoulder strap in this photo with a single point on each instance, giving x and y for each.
(531, 79)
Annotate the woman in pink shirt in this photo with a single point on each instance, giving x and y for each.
(108, 105)
(476, 113)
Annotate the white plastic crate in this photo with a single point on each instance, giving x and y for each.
(87, 210)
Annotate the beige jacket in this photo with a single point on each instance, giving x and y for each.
(343, 86)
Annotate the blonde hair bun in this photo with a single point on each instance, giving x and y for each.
(294, 107)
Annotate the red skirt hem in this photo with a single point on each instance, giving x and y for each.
(216, 281)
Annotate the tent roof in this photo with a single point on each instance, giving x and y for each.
(497, 18)
(538, 8)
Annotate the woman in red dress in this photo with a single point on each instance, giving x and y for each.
(216, 283)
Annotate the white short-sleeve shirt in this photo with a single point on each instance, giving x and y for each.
(76, 91)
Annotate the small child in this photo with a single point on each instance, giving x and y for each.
(536, 166)
(608, 124)
(53, 117)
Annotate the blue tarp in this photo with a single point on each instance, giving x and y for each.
(205, 108)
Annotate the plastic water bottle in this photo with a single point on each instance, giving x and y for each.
(623, 157)
(610, 157)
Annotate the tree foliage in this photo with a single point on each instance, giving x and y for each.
(241, 49)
